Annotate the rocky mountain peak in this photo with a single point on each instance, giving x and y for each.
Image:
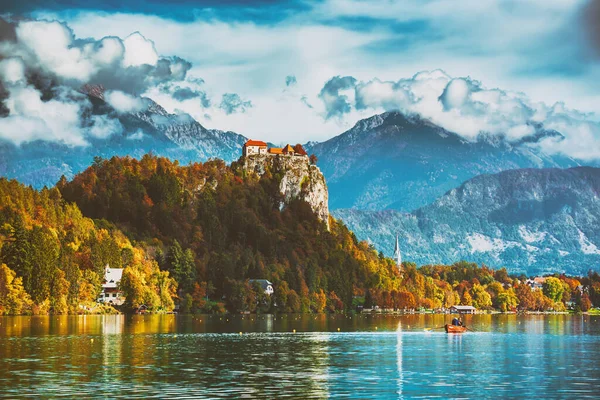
(93, 90)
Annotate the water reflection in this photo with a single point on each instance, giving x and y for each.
(369, 357)
(399, 359)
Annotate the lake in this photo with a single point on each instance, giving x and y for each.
(181, 356)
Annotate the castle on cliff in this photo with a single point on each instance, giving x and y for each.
(257, 147)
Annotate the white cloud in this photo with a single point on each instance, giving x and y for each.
(495, 40)
(12, 70)
(123, 102)
(33, 119)
(50, 43)
(466, 107)
(107, 51)
(139, 51)
(505, 44)
(52, 50)
(103, 127)
(138, 135)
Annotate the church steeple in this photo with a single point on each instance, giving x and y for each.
(398, 255)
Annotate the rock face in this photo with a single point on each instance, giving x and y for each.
(300, 179)
(528, 220)
(394, 161)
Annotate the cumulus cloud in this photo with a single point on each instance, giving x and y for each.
(43, 65)
(103, 127)
(465, 106)
(50, 48)
(232, 103)
(30, 118)
(337, 103)
(123, 102)
(139, 51)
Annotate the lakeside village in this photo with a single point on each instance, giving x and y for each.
(505, 294)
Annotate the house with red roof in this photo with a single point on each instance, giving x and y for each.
(253, 147)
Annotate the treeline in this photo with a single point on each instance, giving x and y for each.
(52, 258)
(485, 288)
(200, 235)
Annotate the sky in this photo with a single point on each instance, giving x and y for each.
(308, 70)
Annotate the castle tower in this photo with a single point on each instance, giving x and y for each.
(398, 255)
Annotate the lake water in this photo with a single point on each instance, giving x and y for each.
(169, 356)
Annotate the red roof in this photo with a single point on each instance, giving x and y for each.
(275, 150)
(288, 149)
(300, 150)
(255, 143)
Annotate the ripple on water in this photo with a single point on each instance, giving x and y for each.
(531, 359)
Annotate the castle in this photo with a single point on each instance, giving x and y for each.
(257, 147)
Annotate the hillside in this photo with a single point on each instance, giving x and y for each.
(527, 220)
(239, 226)
(392, 161)
(52, 258)
(197, 235)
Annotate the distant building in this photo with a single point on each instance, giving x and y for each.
(299, 150)
(252, 147)
(110, 287)
(288, 150)
(462, 310)
(398, 255)
(275, 150)
(257, 147)
(264, 284)
(536, 283)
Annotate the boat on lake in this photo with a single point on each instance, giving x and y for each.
(455, 328)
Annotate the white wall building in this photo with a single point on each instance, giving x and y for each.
(110, 287)
(264, 284)
(253, 147)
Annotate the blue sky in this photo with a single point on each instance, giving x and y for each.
(248, 51)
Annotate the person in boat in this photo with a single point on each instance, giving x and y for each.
(460, 322)
(455, 321)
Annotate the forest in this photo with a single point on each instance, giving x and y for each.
(195, 237)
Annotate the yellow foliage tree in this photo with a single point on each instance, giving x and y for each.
(13, 298)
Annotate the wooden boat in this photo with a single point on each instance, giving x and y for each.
(455, 328)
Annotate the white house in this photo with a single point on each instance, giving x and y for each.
(264, 284)
(536, 283)
(110, 287)
(253, 147)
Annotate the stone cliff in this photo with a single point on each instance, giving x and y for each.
(300, 179)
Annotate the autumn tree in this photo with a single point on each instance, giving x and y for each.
(406, 301)
(480, 298)
(525, 297)
(14, 300)
(586, 304)
(318, 301)
(507, 300)
(553, 289)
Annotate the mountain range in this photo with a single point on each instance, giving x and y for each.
(449, 198)
(394, 161)
(528, 220)
(152, 130)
